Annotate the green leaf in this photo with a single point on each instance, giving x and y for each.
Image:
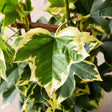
(54, 20)
(76, 108)
(9, 95)
(68, 90)
(8, 89)
(97, 9)
(42, 19)
(92, 101)
(3, 84)
(98, 20)
(104, 8)
(60, 96)
(2, 66)
(1, 4)
(56, 3)
(16, 41)
(24, 80)
(84, 101)
(104, 68)
(86, 71)
(83, 6)
(28, 6)
(8, 51)
(68, 103)
(82, 87)
(59, 3)
(32, 96)
(101, 9)
(107, 83)
(10, 18)
(53, 54)
(107, 51)
(10, 12)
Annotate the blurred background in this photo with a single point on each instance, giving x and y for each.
(39, 10)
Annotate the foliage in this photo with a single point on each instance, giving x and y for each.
(56, 71)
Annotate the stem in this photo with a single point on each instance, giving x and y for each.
(11, 29)
(11, 36)
(50, 27)
(67, 12)
(16, 25)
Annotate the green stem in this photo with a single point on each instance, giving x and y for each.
(18, 28)
(11, 36)
(67, 12)
(11, 29)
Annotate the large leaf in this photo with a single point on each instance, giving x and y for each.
(50, 57)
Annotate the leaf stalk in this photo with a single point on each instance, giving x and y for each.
(67, 12)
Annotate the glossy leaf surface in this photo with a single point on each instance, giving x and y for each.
(86, 71)
(51, 57)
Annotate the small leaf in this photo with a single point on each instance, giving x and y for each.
(86, 71)
(104, 68)
(8, 51)
(8, 89)
(60, 96)
(98, 20)
(10, 12)
(92, 101)
(68, 103)
(59, 3)
(83, 6)
(42, 19)
(56, 3)
(9, 95)
(2, 66)
(28, 6)
(107, 51)
(98, 11)
(5, 85)
(16, 41)
(107, 83)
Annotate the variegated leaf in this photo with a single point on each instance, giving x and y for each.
(50, 57)
(2, 66)
(86, 70)
(59, 96)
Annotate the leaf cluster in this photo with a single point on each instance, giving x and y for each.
(56, 71)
